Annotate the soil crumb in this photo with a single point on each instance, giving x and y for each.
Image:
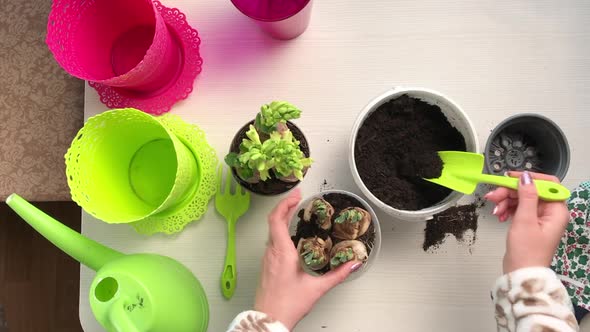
(397, 146)
(326, 186)
(458, 221)
(426, 165)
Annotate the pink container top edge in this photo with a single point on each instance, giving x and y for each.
(282, 15)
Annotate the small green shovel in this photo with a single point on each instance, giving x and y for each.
(462, 171)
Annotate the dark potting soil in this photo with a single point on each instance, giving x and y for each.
(456, 221)
(397, 146)
(310, 229)
(272, 186)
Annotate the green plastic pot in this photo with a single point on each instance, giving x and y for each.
(124, 166)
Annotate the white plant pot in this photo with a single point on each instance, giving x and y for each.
(457, 118)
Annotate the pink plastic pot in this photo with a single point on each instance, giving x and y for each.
(135, 53)
(282, 19)
(113, 42)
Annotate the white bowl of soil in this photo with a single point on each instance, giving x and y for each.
(393, 146)
(323, 240)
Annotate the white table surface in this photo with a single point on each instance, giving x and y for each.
(495, 58)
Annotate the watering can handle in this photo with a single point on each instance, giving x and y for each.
(120, 319)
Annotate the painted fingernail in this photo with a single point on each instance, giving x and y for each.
(495, 211)
(356, 267)
(505, 216)
(525, 178)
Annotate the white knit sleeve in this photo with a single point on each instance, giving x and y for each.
(533, 299)
(254, 321)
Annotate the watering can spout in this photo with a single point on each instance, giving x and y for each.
(86, 251)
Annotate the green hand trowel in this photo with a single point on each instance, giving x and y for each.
(462, 171)
(130, 293)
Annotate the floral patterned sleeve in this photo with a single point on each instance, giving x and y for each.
(254, 321)
(533, 299)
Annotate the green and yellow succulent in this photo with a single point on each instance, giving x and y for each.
(280, 152)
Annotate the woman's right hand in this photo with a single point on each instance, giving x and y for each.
(286, 292)
(537, 226)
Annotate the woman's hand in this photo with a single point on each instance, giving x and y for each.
(285, 292)
(537, 226)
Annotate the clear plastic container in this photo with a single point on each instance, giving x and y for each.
(377, 245)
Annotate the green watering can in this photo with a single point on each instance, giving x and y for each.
(130, 293)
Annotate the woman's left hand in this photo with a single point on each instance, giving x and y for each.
(286, 292)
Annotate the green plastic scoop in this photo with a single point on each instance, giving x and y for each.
(462, 171)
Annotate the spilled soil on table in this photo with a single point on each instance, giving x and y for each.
(456, 221)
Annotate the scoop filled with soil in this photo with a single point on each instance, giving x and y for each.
(270, 155)
(332, 228)
(394, 145)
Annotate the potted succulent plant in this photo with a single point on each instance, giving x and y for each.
(351, 223)
(270, 155)
(346, 251)
(315, 251)
(333, 228)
